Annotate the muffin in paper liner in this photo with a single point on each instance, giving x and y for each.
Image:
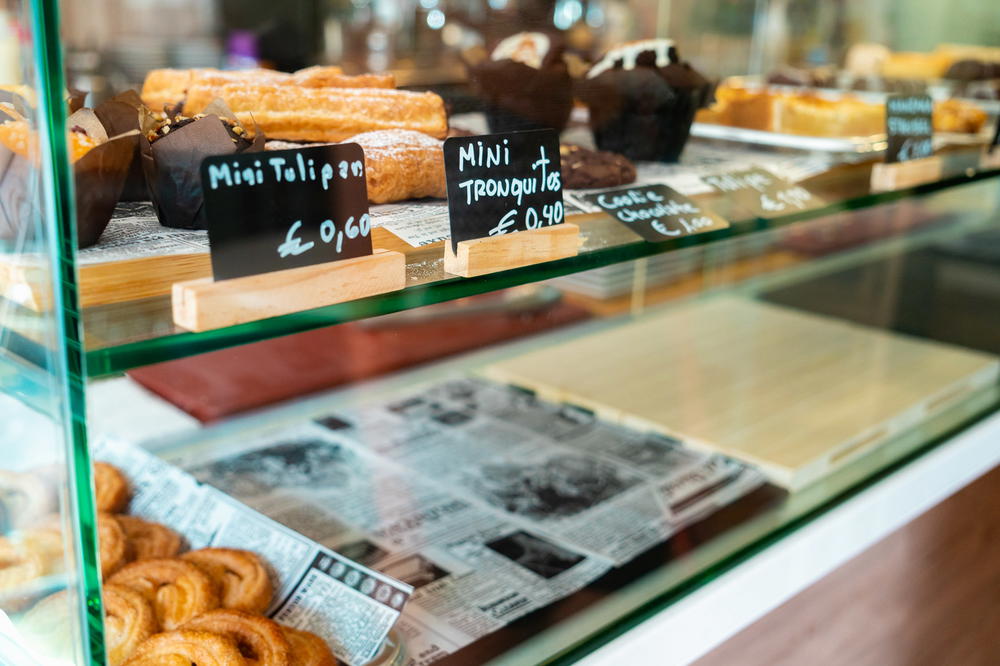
(642, 100)
(524, 84)
(172, 161)
(99, 165)
(120, 115)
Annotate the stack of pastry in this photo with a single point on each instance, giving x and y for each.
(400, 131)
(203, 606)
(808, 114)
(169, 87)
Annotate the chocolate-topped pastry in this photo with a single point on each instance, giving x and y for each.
(524, 84)
(172, 150)
(642, 100)
(237, 134)
(803, 78)
(585, 169)
(973, 70)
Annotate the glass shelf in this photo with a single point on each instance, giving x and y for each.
(128, 335)
(570, 629)
(131, 334)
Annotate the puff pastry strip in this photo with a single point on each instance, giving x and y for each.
(324, 114)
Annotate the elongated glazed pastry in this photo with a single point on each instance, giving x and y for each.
(400, 164)
(324, 114)
(168, 87)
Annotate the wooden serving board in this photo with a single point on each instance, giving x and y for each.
(135, 259)
(797, 394)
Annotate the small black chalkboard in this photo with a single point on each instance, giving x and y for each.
(273, 210)
(996, 139)
(909, 127)
(656, 212)
(759, 192)
(502, 183)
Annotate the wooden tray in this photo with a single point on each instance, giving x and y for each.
(797, 394)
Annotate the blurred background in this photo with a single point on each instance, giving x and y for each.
(112, 43)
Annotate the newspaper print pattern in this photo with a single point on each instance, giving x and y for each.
(318, 590)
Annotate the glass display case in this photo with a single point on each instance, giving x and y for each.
(280, 379)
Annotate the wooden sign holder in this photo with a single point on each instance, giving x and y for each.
(990, 159)
(888, 177)
(481, 256)
(202, 305)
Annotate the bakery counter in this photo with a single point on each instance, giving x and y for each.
(127, 334)
(669, 581)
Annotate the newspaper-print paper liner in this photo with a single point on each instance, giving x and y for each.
(352, 607)
(172, 164)
(98, 177)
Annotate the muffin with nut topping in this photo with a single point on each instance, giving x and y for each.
(172, 150)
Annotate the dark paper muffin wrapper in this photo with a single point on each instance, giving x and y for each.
(98, 179)
(120, 115)
(172, 166)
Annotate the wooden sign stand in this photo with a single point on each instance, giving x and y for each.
(201, 305)
(990, 159)
(888, 177)
(481, 256)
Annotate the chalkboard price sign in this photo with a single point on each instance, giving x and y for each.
(274, 210)
(759, 192)
(503, 183)
(909, 127)
(656, 212)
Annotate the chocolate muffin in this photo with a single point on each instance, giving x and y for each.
(172, 151)
(524, 84)
(584, 169)
(642, 100)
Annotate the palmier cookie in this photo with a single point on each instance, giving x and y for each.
(178, 590)
(113, 545)
(242, 577)
(184, 648)
(257, 638)
(308, 649)
(110, 488)
(25, 498)
(29, 555)
(150, 540)
(128, 621)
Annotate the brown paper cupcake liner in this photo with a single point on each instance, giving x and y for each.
(98, 178)
(172, 165)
